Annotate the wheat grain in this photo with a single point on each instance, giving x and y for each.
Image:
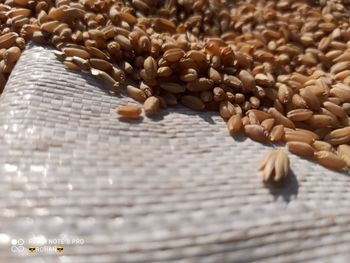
(231, 58)
(256, 132)
(192, 102)
(330, 160)
(300, 148)
(151, 106)
(129, 111)
(234, 124)
(344, 153)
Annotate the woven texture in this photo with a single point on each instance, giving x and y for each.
(174, 188)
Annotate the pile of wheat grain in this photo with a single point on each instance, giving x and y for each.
(277, 70)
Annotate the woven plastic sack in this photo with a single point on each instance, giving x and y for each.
(173, 188)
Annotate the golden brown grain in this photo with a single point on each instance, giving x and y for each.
(106, 78)
(299, 114)
(100, 64)
(300, 148)
(83, 64)
(261, 115)
(247, 79)
(219, 94)
(192, 102)
(320, 121)
(310, 99)
(277, 133)
(335, 109)
(234, 124)
(151, 106)
(135, 93)
(71, 52)
(293, 135)
(256, 132)
(344, 153)
(322, 146)
(245, 121)
(268, 124)
(189, 75)
(280, 119)
(227, 109)
(8, 39)
(129, 111)
(70, 65)
(338, 136)
(330, 160)
(174, 54)
(253, 119)
(164, 71)
(150, 66)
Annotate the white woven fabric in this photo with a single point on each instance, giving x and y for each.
(176, 188)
